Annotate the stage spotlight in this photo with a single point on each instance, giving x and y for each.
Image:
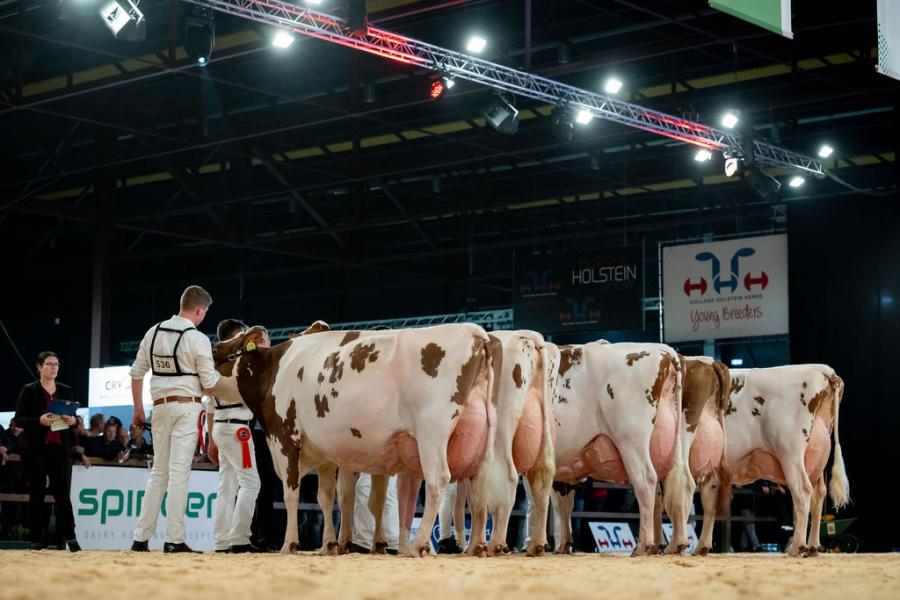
(476, 44)
(502, 116)
(796, 181)
(730, 119)
(737, 362)
(199, 35)
(612, 85)
(825, 150)
(282, 39)
(436, 90)
(124, 20)
(703, 155)
(583, 117)
(448, 82)
(314, 2)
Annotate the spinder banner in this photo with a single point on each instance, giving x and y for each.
(107, 502)
(601, 289)
(734, 288)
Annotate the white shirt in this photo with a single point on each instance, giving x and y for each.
(194, 356)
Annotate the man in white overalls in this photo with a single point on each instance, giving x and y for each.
(180, 358)
(231, 447)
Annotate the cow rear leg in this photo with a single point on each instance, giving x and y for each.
(563, 506)
(501, 485)
(540, 480)
(679, 488)
(407, 496)
(708, 497)
(657, 521)
(377, 496)
(459, 512)
(801, 493)
(325, 498)
(816, 503)
(437, 476)
(346, 498)
(643, 477)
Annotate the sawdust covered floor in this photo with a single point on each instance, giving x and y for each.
(47, 574)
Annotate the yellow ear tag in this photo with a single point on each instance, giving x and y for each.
(250, 347)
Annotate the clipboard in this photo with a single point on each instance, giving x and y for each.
(63, 408)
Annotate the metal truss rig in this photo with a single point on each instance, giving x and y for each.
(458, 65)
(493, 320)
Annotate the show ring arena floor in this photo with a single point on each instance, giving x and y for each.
(47, 574)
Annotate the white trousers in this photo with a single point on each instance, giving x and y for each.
(174, 442)
(238, 488)
(364, 522)
(445, 514)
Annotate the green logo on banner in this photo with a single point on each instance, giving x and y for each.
(116, 503)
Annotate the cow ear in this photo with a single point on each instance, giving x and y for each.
(316, 327)
(253, 340)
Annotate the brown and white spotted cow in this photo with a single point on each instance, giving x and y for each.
(525, 377)
(618, 413)
(704, 401)
(778, 424)
(413, 401)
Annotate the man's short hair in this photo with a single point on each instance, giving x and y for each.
(228, 328)
(44, 356)
(195, 296)
(97, 418)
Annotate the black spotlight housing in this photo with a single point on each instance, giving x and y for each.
(502, 116)
(764, 185)
(199, 35)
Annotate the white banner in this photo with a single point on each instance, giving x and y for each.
(107, 501)
(613, 537)
(734, 288)
(111, 386)
(889, 38)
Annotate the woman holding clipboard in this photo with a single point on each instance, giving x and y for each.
(46, 449)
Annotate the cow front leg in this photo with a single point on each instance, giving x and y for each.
(291, 530)
(563, 505)
(816, 503)
(679, 494)
(801, 493)
(325, 498)
(708, 497)
(377, 496)
(346, 498)
(407, 496)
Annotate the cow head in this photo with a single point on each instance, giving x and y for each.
(228, 354)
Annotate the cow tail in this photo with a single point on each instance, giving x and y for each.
(548, 378)
(491, 365)
(723, 501)
(839, 486)
(676, 481)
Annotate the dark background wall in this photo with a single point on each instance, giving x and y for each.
(845, 289)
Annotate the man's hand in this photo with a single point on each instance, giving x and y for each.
(85, 461)
(69, 420)
(138, 418)
(45, 420)
(213, 452)
(3, 454)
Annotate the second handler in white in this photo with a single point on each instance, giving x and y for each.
(180, 358)
(231, 446)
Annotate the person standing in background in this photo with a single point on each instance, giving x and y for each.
(180, 359)
(46, 453)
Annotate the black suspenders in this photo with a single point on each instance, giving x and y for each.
(165, 361)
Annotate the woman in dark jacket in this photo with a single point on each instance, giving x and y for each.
(46, 453)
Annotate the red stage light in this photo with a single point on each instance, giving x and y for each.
(437, 90)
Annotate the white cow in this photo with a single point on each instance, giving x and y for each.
(412, 401)
(525, 377)
(778, 424)
(618, 413)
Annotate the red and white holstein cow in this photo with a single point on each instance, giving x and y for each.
(412, 401)
(618, 413)
(525, 376)
(778, 426)
(704, 402)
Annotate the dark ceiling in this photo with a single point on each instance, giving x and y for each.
(268, 176)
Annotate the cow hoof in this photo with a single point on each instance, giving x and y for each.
(565, 548)
(701, 551)
(479, 550)
(676, 549)
(535, 550)
(290, 548)
(795, 552)
(379, 548)
(329, 549)
(421, 551)
(822, 549)
(499, 550)
(810, 551)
